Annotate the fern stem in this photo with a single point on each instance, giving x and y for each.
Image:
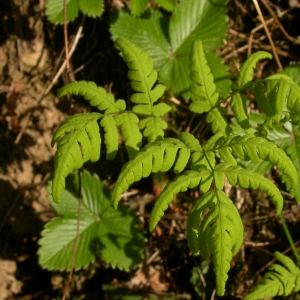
(173, 129)
(197, 126)
(289, 237)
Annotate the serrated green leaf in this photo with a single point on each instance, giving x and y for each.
(91, 8)
(168, 5)
(55, 10)
(148, 33)
(137, 7)
(190, 20)
(115, 234)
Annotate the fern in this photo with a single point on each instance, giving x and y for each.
(214, 225)
(204, 88)
(143, 78)
(78, 141)
(278, 281)
(97, 96)
(158, 156)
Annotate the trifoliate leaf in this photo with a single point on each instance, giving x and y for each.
(115, 235)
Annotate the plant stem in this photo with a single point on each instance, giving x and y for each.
(289, 237)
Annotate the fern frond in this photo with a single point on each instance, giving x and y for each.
(154, 128)
(253, 148)
(238, 105)
(219, 123)
(78, 141)
(128, 123)
(203, 85)
(220, 233)
(97, 96)
(111, 136)
(158, 156)
(188, 179)
(278, 281)
(199, 158)
(247, 179)
(143, 78)
(247, 69)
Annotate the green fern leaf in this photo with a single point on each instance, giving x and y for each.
(97, 96)
(154, 128)
(137, 7)
(203, 81)
(78, 141)
(130, 132)
(188, 179)
(158, 156)
(114, 235)
(246, 179)
(220, 233)
(256, 149)
(143, 78)
(247, 69)
(111, 136)
(278, 281)
(219, 123)
(194, 220)
(238, 105)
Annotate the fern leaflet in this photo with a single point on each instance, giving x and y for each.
(253, 148)
(143, 79)
(188, 179)
(278, 281)
(220, 233)
(246, 179)
(111, 136)
(130, 132)
(78, 141)
(97, 96)
(158, 156)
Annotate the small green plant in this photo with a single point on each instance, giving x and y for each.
(214, 224)
(115, 235)
(55, 9)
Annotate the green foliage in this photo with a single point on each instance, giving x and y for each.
(55, 9)
(214, 225)
(169, 44)
(280, 280)
(78, 138)
(137, 7)
(100, 231)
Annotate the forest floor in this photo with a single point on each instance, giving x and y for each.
(31, 54)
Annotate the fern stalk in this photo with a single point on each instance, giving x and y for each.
(289, 237)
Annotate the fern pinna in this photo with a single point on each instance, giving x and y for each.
(214, 224)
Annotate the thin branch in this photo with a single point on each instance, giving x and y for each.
(268, 33)
(290, 38)
(66, 36)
